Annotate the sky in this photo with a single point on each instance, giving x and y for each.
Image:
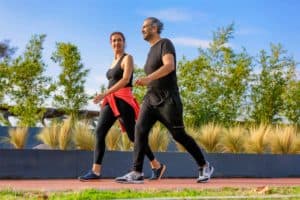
(188, 23)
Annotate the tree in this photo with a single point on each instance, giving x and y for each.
(214, 84)
(29, 88)
(291, 104)
(5, 54)
(269, 86)
(5, 49)
(5, 60)
(71, 95)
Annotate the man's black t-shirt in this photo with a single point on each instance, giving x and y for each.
(154, 62)
(160, 89)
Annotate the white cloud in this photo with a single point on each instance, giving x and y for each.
(170, 14)
(192, 42)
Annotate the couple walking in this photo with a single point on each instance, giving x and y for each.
(161, 103)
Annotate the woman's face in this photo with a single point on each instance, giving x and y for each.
(117, 43)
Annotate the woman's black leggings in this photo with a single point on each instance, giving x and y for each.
(105, 122)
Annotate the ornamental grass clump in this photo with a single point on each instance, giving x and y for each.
(113, 139)
(17, 137)
(284, 140)
(49, 135)
(65, 134)
(126, 144)
(83, 137)
(210, 136)
(233, 139)
(159, 139)
(257, 139)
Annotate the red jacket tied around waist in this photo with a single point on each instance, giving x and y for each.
(126, 95)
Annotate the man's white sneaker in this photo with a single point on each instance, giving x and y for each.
(205, 173)
(131, 177)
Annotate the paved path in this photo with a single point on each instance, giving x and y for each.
(164, 184)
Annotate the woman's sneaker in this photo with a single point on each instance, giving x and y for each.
(205, 173)
(131, 177)
(90, 176)
(157, 173)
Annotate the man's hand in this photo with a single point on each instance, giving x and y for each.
(143, 81)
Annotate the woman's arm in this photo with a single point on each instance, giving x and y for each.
(127, 66)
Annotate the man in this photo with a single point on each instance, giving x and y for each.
(161, 103)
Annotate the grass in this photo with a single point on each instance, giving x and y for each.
(159, 139)
(113, 139)
(17, 137)
(233, 139)
(257, 140)
(49, 135)
(126, 144)
(210, 137)
(65, 134)
(83, 137)
(251, 193)
(284, 140)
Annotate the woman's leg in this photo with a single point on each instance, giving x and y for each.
(105, 122)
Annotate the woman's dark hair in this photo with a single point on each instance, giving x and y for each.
(117, 33)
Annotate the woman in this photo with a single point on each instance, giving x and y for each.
(118, 102)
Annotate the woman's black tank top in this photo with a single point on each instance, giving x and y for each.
(116, 73)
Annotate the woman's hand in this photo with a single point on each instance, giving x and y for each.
(98, 98)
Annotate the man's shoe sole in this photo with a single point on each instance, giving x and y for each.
(207, 179)
(129, 182)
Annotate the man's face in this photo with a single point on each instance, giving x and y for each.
(147, 30)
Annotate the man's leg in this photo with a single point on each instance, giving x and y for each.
(170, 114)
(143, 126)
(128, 118)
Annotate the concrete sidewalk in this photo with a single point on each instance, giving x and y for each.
(163, 184)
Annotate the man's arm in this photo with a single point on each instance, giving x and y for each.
(167, 68)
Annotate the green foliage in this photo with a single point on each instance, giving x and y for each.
(6, 50)
(270, 85)
(70, 95)
(138, 91)
(29, 88)
(213, 85)
(292, 101)
(5, 59)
